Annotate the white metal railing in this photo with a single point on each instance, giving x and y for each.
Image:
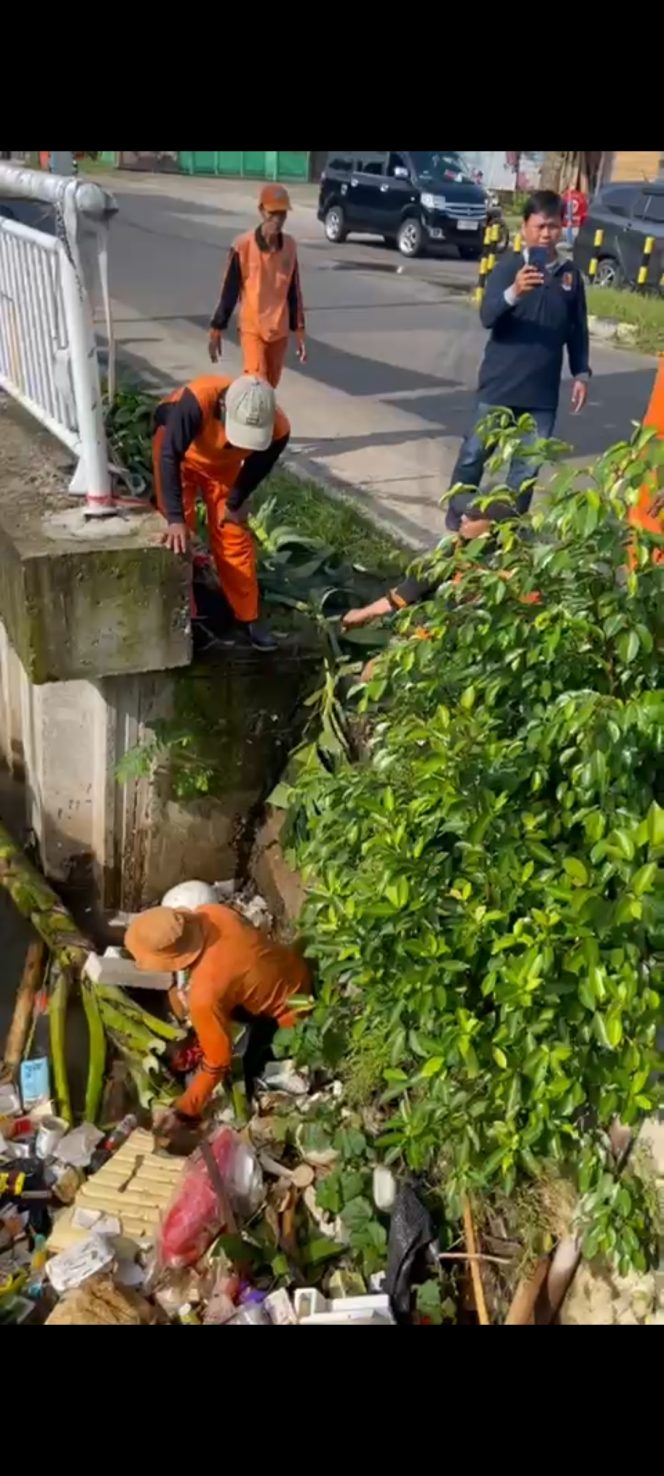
(48, 354)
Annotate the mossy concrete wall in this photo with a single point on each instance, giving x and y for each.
(125, 843)
(239, 714)
(95, 653)
(81, 600)
(276, 880)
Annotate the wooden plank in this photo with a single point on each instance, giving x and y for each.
(522, 1309)
(475, 1265)
(23, 1009)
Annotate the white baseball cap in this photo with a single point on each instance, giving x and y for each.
(250, 412)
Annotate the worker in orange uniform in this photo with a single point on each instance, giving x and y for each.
(219, 437)
(475, 523)
(233, 970)
(263, 273)
(649, 510)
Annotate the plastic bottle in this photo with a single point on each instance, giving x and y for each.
(113, 1140)
(34, 1073)
(37, 1267)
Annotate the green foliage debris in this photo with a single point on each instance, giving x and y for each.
(486, 884)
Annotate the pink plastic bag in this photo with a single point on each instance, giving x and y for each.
(200, 1210)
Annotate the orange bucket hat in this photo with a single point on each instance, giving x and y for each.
(274, 197)
(165, 939)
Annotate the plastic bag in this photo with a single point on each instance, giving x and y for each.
(411, 1233)
(207, 1199)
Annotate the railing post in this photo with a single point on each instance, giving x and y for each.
(92, 475)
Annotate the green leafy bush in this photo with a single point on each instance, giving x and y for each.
(486, 887)
(129, 429)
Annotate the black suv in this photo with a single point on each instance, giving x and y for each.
(413, 199)
(627, 214)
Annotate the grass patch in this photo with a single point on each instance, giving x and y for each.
(314, 513)
(647, 312)
(97, 166)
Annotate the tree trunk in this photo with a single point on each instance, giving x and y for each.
(18, 1031)
(36, 900)
(552, 170)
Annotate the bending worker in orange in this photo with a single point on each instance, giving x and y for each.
(219, 437)
(233, 969)
(263, 273)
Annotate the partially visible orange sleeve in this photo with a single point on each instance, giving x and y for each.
(211, 1027)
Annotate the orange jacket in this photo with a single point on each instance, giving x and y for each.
(268, 286)
(195, 437)
(239, 966)
(644, 515)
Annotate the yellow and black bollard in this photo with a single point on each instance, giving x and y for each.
(484, 266)
(518, 243)
(648, 248)
(494, 237)
(597, 244)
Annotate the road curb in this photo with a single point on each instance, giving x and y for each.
(612, 330)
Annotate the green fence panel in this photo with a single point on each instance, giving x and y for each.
(229, 163)
(293, 165)
(205, 162)
(253, 164)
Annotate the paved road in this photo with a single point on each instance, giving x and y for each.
(393, 346)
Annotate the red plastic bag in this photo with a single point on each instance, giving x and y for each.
(207, 1202)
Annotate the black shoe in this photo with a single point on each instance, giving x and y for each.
(260, 637)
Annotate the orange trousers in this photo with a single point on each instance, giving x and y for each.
(263, 358)
(231, 544)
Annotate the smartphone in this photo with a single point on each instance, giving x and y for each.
(538, 257)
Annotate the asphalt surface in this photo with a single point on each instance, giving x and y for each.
(394, 347)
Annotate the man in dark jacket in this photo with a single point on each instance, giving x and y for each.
(535, 308)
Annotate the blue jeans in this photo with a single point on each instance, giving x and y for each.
(473, 456)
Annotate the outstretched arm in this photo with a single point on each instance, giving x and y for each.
(212, 1029)
(182, 425)
(231, 288)
(254, 471)
(411, 591)
(578, 347)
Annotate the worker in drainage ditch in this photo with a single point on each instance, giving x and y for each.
(475, 522)
(219, 437)
(232, 971)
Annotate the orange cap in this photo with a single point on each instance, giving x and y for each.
(274, 197)
(165, 939)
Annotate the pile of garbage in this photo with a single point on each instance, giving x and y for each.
(106, 1228)
(280, 1214)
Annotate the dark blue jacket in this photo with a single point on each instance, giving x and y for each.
(523, 363)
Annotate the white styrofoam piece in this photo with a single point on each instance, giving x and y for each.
(123, 972)
(312, 1307)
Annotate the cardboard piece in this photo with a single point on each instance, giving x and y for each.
(150, 1180)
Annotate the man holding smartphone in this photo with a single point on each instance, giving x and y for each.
(535, 308)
